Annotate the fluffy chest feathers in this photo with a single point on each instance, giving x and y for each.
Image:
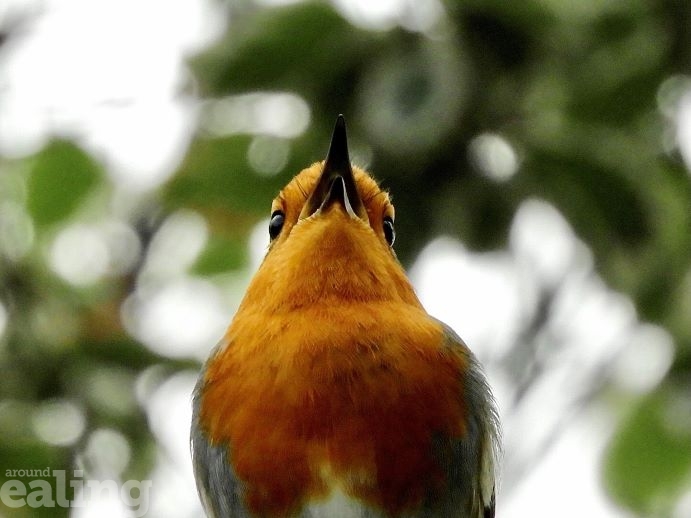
(323, 394)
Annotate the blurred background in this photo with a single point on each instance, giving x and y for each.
(539, 156)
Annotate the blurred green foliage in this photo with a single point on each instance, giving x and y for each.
(650, 456)
(573, 87)
(61, 176)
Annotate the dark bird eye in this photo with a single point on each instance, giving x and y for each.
(389, 232)
(276, 224)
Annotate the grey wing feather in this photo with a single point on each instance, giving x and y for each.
(480, 450)
(218, 488)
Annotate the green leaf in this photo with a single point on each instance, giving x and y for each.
(61, 177)
(649, 459)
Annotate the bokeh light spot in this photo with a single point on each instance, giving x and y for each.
(176, 245)
(16, 231)
(683, 507)
(268, 155)
(281, 114)
(684, 128)
(80, 254)
(182, 319)
(544, 243)
(670, 93)
(493, 156)
(644, 363)
(58, 422)
(107, 452)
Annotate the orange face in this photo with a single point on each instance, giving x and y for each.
(329, 253)
(294, 196)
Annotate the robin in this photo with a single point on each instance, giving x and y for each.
(333, 393)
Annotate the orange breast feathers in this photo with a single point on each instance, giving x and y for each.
(332, 396)
(331, 374)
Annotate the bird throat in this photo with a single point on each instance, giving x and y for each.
(332, 258)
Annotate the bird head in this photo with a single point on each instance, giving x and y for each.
(332, 234)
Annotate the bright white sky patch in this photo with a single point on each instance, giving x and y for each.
(415, 15)
(170, 414)
(544, 244)
(107, 73)
(258, 244)
(471, 293)
(107, 504)
(567, 482)
(180, 319)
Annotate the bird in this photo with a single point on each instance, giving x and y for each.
(333, 393)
